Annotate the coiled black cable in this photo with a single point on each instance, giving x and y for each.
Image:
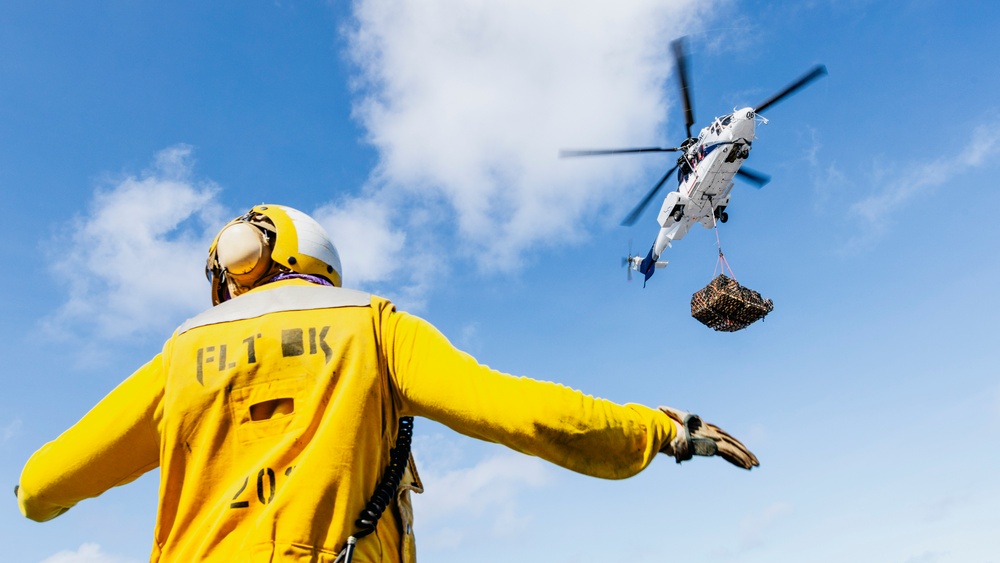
(399, 455)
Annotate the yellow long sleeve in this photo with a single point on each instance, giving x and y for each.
(576, 431)
(111, 445)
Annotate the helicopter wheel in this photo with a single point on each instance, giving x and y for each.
(677, 214)
(723, 217)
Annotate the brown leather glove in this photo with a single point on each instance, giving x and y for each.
(695, 437)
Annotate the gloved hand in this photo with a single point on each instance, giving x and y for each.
(695, 437)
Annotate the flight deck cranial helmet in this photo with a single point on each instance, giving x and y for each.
(264, 242)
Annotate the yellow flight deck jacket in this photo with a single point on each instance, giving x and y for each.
(271, 417)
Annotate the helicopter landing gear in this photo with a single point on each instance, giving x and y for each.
(721, 215)
(677, 213)
(744, 153)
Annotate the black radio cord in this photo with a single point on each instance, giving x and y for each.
(399, 456)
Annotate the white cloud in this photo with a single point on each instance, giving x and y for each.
(996, 406)
(469, 103)
(375, 249)
(984, 145)
(901, 188)
(944, 507)
(134, 262)
(926, 557)
(87, 553)
(370, 248)
(753, 528)
(386, 246)
(919, 179)
(488, 491)
(10, 430)
(827, 183)
(491, 483)
(469, 338)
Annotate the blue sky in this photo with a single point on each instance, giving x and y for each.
(424, 136)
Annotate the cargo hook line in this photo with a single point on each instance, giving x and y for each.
(721, 265)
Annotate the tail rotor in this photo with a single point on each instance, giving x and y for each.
(627, 261)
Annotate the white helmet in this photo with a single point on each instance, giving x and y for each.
(268, 240)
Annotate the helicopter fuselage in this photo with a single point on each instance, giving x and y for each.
(705, 179)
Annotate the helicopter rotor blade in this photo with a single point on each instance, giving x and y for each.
(680, 58)
(573, 153)
(757, 179)
(816, 72)
(633, 215)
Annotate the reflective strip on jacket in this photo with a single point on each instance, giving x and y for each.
(271, 417)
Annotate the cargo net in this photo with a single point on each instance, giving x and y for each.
(726, 306)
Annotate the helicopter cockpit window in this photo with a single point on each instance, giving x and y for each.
(727, 119)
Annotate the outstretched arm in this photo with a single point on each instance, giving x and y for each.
(114, 443)
(586, 434)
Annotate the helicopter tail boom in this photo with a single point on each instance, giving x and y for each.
(648, 266)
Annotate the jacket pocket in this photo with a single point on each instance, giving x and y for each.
(269, 408)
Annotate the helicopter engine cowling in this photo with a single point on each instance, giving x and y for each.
(673, 208)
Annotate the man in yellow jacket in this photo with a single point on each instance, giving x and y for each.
(281, 414)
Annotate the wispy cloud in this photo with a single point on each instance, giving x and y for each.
(900, 186)
(380, 255)
(87, 553)
(926, 557)
(469, 103)
(828, 181)
(469, 338)
(755, 527)
(488, 491)
(10, 430)
(938, 509)
(994, 413)
(754, 531)
(370, 247)
(134, 261)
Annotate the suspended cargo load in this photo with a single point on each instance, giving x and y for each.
(726, 306)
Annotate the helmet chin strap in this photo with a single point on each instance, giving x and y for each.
(240, 284)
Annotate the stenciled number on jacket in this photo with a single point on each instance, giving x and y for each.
(266, 483)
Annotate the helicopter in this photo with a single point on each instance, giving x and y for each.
(705, 168)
